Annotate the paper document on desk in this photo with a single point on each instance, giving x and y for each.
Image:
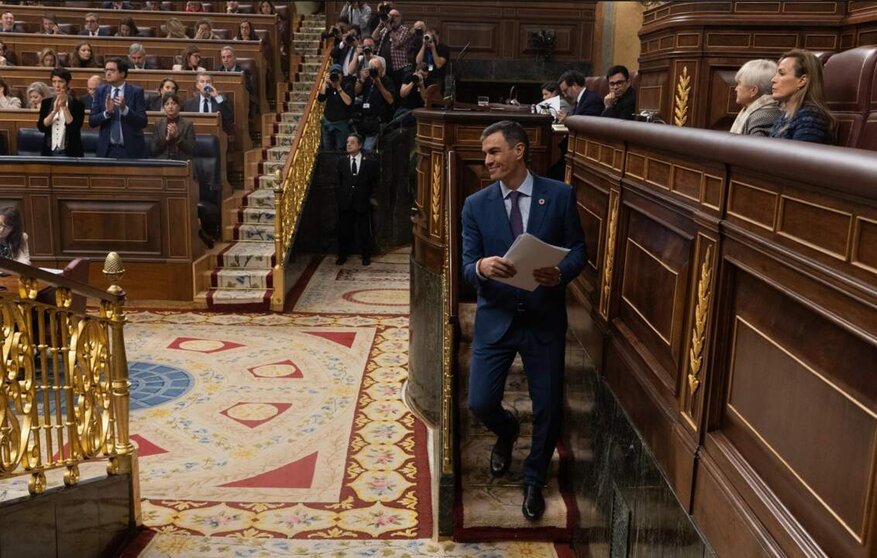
(528, 253)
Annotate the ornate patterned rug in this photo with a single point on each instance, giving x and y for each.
(290, 426)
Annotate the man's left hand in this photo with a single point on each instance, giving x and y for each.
(547, 276)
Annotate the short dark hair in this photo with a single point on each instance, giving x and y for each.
(121, 64)
(618, 69)
(167, 79)
(512, 132)
(168, 96)
(355, 135)
(62, 73)
(549, 86)
(572, 77)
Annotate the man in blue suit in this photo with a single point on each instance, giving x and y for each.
(119, 109)
(510, 320)
(584, 102)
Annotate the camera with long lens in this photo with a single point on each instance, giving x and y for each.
(333, 32)
(427, 39)
(373, 73)
(349, 39)
(415, 79)
(384, 12)
(335, 77)
(367, 50)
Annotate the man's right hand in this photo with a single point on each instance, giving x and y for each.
(496, 267)
(108, 103)
(609, 99)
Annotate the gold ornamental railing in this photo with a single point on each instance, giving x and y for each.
(65, 392)
(291, 184)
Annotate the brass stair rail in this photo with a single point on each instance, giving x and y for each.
(64, 398)
(291, 184)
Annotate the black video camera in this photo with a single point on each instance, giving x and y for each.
(335, 76)
(373, 73)
(384, 12)
(349, 39)
(366, 50)
(415, 79)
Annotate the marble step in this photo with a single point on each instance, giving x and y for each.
(278, 154)
(236, 297)
(296, 96)
(289, 118)
(286, 128)
(256, 215)
(242, 278)
(265, 183)
(282, 140)
(269, 166)
(302, 86)
(253, 232)
(262, 198)
(294, 106)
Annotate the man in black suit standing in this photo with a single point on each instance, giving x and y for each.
(584, 102)
(357, 179)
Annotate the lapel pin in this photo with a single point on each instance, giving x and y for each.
(541, 201)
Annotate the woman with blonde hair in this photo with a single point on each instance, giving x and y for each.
(798, 86)
(47, 58)
(37, 91)
(760, 109)
(175, 29)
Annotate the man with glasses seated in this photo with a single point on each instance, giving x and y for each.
(621, 100)
(92, 26)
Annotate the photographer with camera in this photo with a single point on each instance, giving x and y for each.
(376, 89)
(358, 13)
(336, 32)
(435, 55)
(365, 51)
(412, 94)
(345, 46)
(393, 40)
(337, 93)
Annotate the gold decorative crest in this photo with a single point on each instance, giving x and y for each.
(698, 332)
(683, 92)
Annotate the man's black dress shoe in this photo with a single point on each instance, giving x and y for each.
(501, 454)
(340, 260)
(534, 503)
(205, 238)
(366, 260)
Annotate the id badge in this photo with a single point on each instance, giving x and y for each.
(431, 67)
(366, 106)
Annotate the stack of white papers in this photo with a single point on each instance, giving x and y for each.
(528, 253)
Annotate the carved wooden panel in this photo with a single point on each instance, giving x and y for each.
(125, 227)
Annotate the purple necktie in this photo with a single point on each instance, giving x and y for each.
(515, 217)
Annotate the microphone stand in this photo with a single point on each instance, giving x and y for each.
(452, 77)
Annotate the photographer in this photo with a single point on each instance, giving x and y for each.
(377, 100)
(343, 49)
(412, 94)
(337, 93)
(358, 13)
(435, 55)
(336, 32)
(393, 40)
(417, 30)
(364, 53)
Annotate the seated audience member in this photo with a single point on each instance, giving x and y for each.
(92, 26)
(156, 5)
(357, 13)
(173, 136)
(117, 6)
(620, 102)
(229, 63)
(552, 102)
(47, 58)
(435, 55)
(232, 7)
(127, 28)
(6, 56)
(61, 118)
(760, 110)
(204, 31)
(584, 102)
(83, 57)
(246, 32)
(137, 58)
(798, 86)
(175, 29)
(8, 99)
(266, 7)
(194, 7)
(210, 100)
(36, 92)
(191, 60)
(119, 110)
(412, 93)
(337, 93)
(50, 25)
(13, 241)
(7, 22)
(376, 89)
(92, 84)
(166, 86)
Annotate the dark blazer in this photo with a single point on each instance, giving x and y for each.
(132, 123)
(101, 32)
(86, 100)
(355, 192)
(193, 104)
(185, 140)
(591, 104)
(72, 131)
(146, 66)
(487, 232)
(624, 107)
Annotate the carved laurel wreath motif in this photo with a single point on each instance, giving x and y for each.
(683, 92)
(436, 205)
(610, 258)
(698, 332)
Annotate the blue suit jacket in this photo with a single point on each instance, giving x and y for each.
(488, 232)
(132, 123)
(591, 104)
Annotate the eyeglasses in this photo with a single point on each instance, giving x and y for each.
(90, 21)
(617, 83)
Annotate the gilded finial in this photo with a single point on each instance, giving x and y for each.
(113, 270)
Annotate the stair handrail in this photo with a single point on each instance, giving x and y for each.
(291, 184)
(65, 389)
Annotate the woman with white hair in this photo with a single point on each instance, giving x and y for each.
(760, 109)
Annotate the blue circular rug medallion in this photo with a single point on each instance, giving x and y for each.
(156, 384)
